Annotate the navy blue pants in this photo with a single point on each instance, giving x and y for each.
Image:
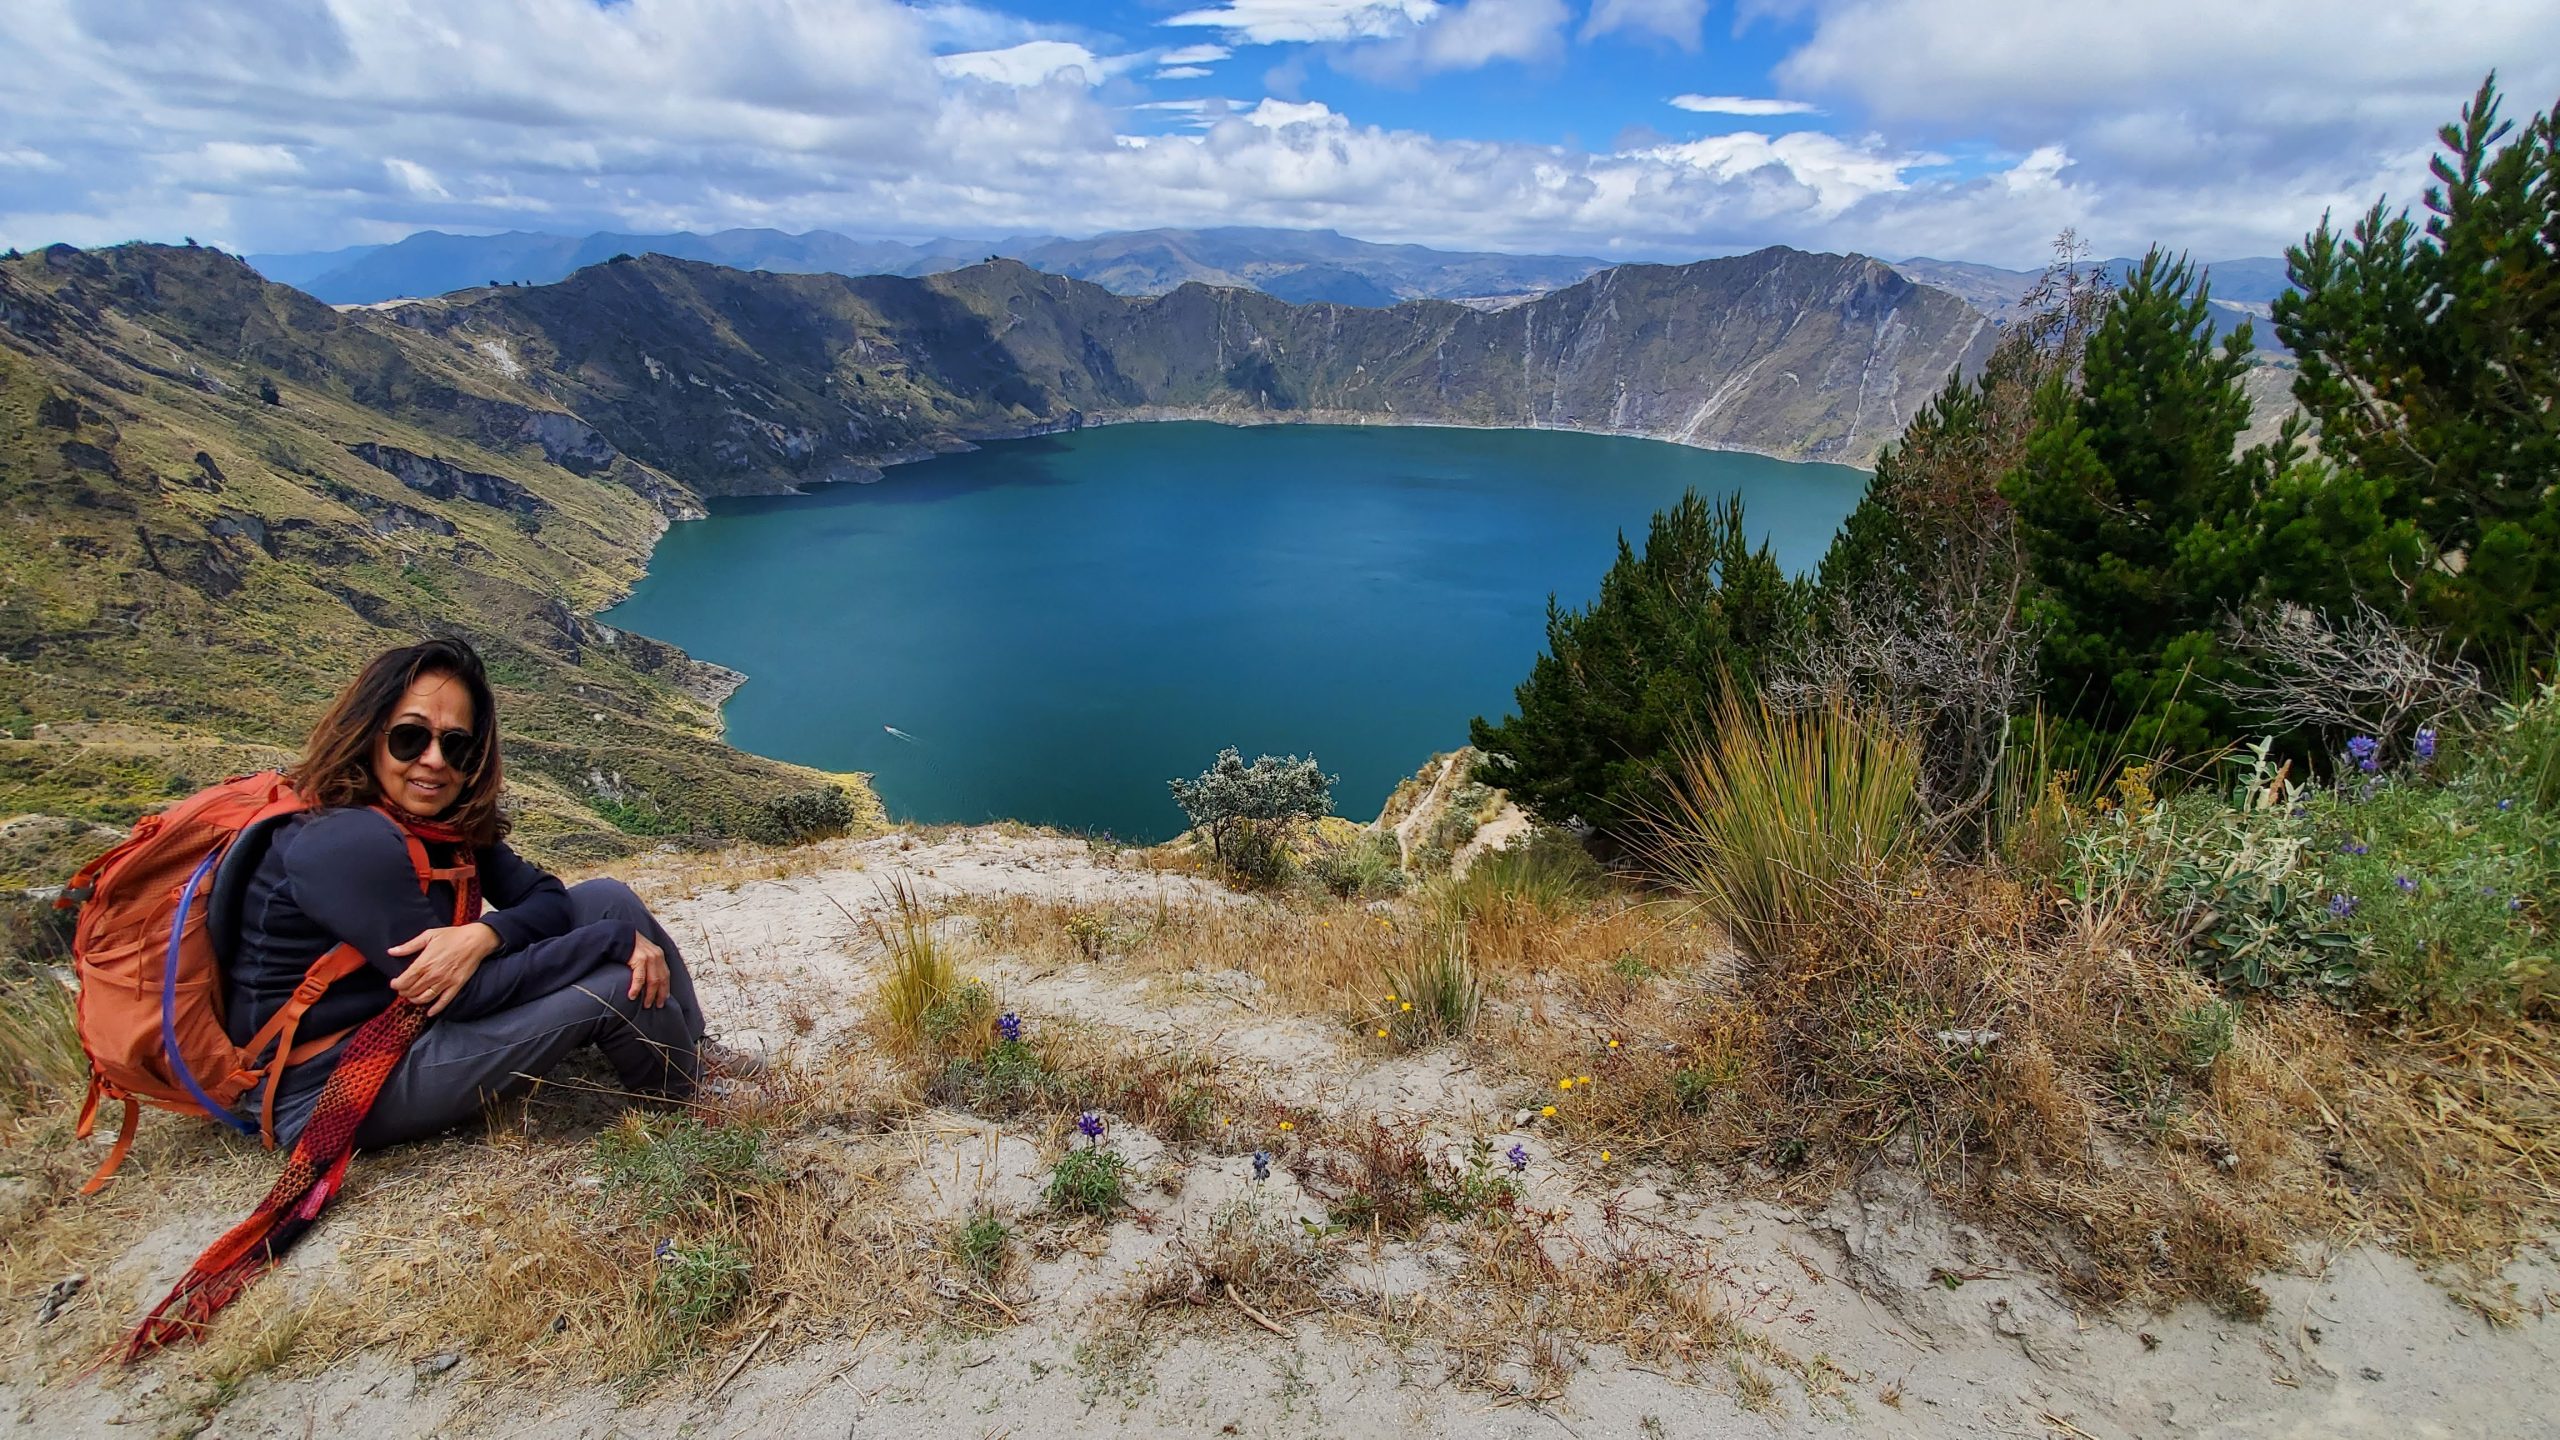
(457, 1068)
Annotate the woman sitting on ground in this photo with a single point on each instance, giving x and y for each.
(545, 970)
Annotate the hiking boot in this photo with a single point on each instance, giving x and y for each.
(729, 1062)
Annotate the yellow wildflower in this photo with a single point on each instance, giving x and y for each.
(1285, 1125)
(1408, 1005)
(1613, 1044)
(1604, 1157)
(1582, 1080)
(1382, 1034)
(1565, 1084)
(1549, 1112)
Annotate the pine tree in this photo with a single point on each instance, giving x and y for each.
(1697, 609)
(2430, 355)
(2127, 504)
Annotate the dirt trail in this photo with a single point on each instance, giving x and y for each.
(1899, 1320)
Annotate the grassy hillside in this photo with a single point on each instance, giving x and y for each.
(191, 568)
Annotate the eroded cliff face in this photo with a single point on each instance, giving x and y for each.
(744, 381)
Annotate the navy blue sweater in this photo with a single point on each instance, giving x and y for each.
(343, 876)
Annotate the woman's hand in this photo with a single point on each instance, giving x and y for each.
(649, 978)
(447, 957)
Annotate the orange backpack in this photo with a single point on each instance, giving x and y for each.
(149, 950)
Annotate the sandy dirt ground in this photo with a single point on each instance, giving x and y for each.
(1897, 1320)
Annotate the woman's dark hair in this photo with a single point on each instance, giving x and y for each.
(337, 764)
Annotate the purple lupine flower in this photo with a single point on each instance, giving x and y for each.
(2426, 744)
(1261, 1164)
(2342, 905)
(2354, 847)
(1009, 1025)
(2407, 885)
(1089, 1125)
(1518, 1155)
(667, 1250)
(2366, 752)
(2506, 804)
(2514, 903)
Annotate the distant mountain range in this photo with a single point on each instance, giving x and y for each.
(1295, 265)
(2242, 289)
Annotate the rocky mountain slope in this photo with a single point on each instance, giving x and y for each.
(1295, 265)
(223, 495)
(746, 381)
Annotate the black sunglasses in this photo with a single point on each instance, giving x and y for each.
(408, 740)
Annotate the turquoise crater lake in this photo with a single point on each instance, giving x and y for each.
(1047, 630)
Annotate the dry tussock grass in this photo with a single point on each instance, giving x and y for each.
(2061, 1076)
(1531, 1300)
(518, 1261)
(1337, 959)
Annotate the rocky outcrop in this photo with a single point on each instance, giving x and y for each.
(445, 480)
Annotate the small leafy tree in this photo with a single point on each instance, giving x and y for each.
(1245, 808)
(1698, 609)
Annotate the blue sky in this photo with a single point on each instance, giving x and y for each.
(1635, 129)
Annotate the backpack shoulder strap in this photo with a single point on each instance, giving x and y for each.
(124, 1133)
(326, 971)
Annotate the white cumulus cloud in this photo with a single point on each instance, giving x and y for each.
(1033, 62)
(1277, 22)
(307, 124)
(1837, 173)
(1741, 105)
(1679, 21)
(1468, 36)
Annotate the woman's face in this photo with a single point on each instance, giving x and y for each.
(428, 785)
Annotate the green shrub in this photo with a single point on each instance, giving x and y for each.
(1773, 818)
(1246, 810)
(1088, 1182)
(636, 814)
(1694, 1087)
(2205, 1033)
(1092, 933)
(1364, 869)
(802, 816)
(1009, 1077)
(2425, 885)
(982, 1245)
(694, 1285)
(959, 1017)
(675, 1164)
(1547, 871)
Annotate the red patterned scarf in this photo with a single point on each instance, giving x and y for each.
(318, 1161)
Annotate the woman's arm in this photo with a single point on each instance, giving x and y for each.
(538, 969)
(527, 903)
(350, 873)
